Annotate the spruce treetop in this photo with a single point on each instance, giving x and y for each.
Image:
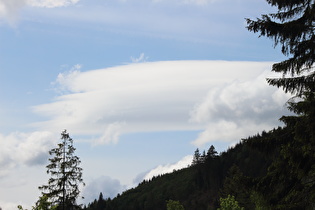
(293, 28)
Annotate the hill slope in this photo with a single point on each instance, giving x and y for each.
(200, 186)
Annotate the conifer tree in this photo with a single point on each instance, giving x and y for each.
(197, 157)
(62, 189)
(212, 153)
(293, 28)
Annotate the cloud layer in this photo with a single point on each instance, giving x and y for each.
(9, 9)
(51, 3)
(193, 2)
(166, 96)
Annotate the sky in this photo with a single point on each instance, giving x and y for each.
(138, 84)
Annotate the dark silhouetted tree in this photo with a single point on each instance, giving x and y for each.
(212, 153)
(62, 189)
(197, 157)
(293, 28)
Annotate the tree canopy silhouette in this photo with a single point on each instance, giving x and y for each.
(62, 189)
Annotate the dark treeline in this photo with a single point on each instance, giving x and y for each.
(240, 171)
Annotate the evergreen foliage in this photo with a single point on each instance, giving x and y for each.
(62, 189)
(293, 28)
(292, 175)
(197, 158)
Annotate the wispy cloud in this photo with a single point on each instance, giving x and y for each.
(9, 9)
(111, 134)
(193, 2)
(141, 58)
(175, 19)
(166, 96)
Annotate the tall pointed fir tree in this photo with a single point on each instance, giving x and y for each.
(293, 28)
(62, 189)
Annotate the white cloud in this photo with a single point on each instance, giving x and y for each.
(160, 96)
(9, 9)
(143, 18)
(111, 134)
(193, 2)
(106, 185)
(51, 3)
(169, 168)
(8, 205)
(141, 58)
(230, 131)
(198, 2)
(239, 109)
(65, 78)
(24, 149)
(239, 100)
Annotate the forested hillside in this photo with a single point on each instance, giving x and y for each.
(238, 172)
(273, 170)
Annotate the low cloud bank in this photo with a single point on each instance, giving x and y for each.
(108, 186)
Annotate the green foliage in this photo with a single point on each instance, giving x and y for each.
(293, 28)
(290, 182)
(229, 203)
(42, 204)
(259, 201)
(174, 205)
(239, 185)
(62, 189)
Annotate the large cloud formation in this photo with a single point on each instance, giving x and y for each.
(238, 108)
(215, 96)
(18, 149)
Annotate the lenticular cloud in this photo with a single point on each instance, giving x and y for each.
(165, 96)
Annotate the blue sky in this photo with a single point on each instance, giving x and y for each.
(138, 84)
